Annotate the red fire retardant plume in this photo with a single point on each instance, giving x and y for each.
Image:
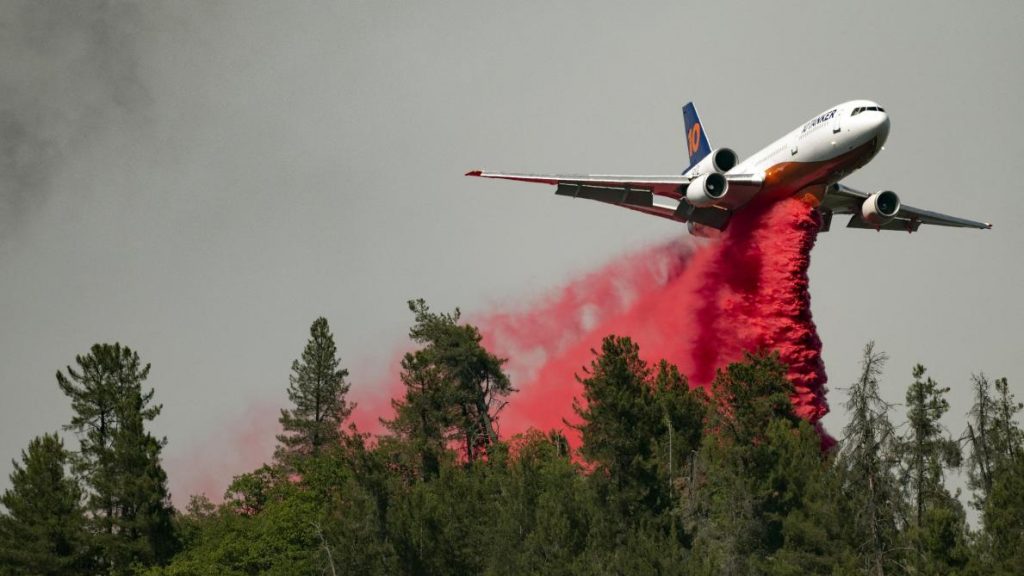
(699, 308)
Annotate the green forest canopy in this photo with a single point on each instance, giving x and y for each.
(665, 480)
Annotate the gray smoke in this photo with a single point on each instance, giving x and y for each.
(68, 70)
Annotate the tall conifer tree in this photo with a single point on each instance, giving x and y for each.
(638, 426)
(761, 501)
(454, 389)
(128, 501)
(996, 474)
(866, 462)
(937, 525)
(994, 438)
(317, 390)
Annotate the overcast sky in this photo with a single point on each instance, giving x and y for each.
(201, 180)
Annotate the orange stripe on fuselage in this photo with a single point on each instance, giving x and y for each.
(787, 178)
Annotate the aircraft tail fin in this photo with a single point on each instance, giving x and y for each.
(697, 145)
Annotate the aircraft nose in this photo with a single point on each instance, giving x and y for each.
(877, 124)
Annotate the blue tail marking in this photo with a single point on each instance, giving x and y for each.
(697, 145)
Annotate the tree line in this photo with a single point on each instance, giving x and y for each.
(666, 479)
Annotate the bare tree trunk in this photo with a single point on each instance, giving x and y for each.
(876, 539)
(327, 549)
(485, 418)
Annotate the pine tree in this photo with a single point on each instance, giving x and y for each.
(455, 389)
(866, 462)
(926, 451)
(637, 427)
(43, 529)
(760, 500)
(1003, 519)
(317, 390)
(992, 434)
(1011, 436)
(128, 503)
(996, 474)
(937, 523)
(617, 398)
(420, 429)
(143, 532)
(982, 437)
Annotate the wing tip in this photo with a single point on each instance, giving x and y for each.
(475, 173)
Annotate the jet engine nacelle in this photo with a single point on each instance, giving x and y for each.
(707, 190)
(702, 230)
(721, 161)
(880, 208)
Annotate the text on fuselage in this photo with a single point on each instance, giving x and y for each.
(820, 119)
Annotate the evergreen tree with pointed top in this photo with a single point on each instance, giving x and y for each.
(638, 425)
(936, 522)
(317, 390)
(763, 496)
(996, 474)
(42, 530)
(993, 436)
(983, 440)
(866, 464)
(143, 530)
(128, 504)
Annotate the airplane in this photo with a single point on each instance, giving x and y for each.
(808, 163)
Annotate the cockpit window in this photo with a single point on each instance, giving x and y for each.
(867, 108)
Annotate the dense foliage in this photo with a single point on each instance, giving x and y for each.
(665, 479)
(43, 530)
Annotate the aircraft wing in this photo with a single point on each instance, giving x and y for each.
(668, 186)
(655, 195)
(845, 200)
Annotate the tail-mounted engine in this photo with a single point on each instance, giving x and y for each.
(720, 161)
(880, 208)
(708, 185)
(707, 190)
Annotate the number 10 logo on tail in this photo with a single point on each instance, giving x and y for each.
(693, 138)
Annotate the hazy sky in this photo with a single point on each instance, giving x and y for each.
(201, 180)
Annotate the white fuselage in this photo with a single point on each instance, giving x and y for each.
(821, 151)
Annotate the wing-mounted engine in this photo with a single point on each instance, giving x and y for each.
(720, 161)
(880, 208)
